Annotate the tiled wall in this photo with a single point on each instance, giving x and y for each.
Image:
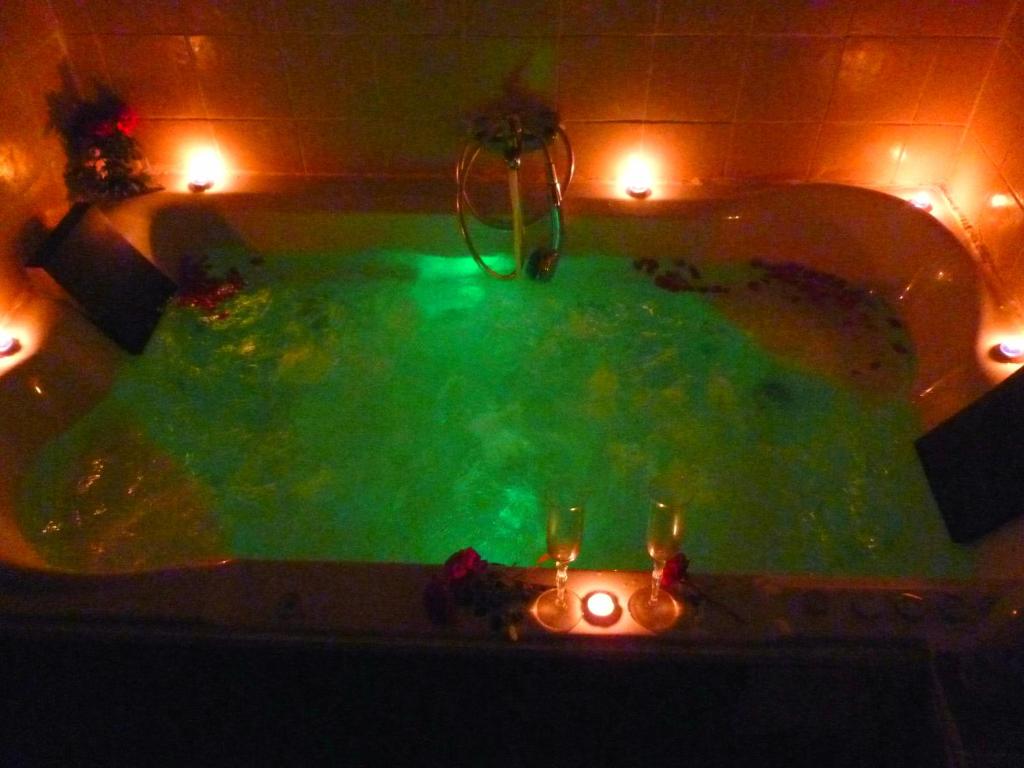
(862, 91)
(988, 180)
(31, 160)
(865, 91)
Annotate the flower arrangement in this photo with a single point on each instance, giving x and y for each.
(469, 582)
(103, 156)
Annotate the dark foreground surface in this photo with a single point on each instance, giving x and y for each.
(74, 699)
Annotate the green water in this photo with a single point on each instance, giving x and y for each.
(399, 406)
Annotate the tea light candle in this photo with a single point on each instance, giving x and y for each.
(637, 176)
(205, 168)
(922, 201)
(1010, 350)
(8, 345)
(601, 609)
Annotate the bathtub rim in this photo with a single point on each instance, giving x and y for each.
(69, 583)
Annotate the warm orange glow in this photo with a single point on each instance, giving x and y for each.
(9, 345)
(601, 609)
(1000, 200)
(17, 343)
(205, 169)
(997, 348)
(922, 200)
(1010, 349)
(600, 604)
(636, 175)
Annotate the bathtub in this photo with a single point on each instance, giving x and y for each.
(920, 263)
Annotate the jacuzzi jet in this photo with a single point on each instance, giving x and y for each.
(9, 345)
(1008, 351)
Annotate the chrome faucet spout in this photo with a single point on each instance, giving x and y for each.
(512, 136)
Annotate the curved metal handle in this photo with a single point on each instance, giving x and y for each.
(512, 152)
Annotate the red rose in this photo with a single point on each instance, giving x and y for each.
(127, 120)
(675, 571)
(463, 563)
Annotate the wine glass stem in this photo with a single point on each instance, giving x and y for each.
(561, 578)
(659, 566)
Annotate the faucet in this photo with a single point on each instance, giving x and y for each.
(511, 136)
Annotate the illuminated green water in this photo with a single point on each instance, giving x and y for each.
(399, 406)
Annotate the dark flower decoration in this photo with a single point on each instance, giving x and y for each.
(675, 572)
(676, 579)
(467, 581)
(201, 290)
(103, 158)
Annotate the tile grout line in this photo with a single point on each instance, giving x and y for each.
(816, 144)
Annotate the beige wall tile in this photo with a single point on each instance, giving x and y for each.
(689, 152)
(523, 17)
(880, 79)
(25, 25)
(332, 76)
(595, 17)
(36, 78)
(928, 154)
(357, 147)
(974, 179)
(500, 73)
(1002, 231)
(166, 143)
(259, 146)
(954, 82)
(1012, 169)
(723, 17)
(858, 154)
(696, 78)
(426, 17)
(136, 16)
(153, 73)
(814, 17)
(420, 148)
(22, 129)
(87, 62)
(370, 16)
(603, 78)
(956, 17)
(789, 78)
(999, 115)
(226, 17)
(241, 76)
(929, 17)
(1015, 30)
(601, 148)
(73, 16)
(420, 80)
(772, 151)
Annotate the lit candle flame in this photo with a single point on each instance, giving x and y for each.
(205, 169)
(600, 604)
(8, 344)
(637, 175)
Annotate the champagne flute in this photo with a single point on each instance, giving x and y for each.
(560, 609)
(651, 606)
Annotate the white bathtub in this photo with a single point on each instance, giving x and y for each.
(868, 238)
